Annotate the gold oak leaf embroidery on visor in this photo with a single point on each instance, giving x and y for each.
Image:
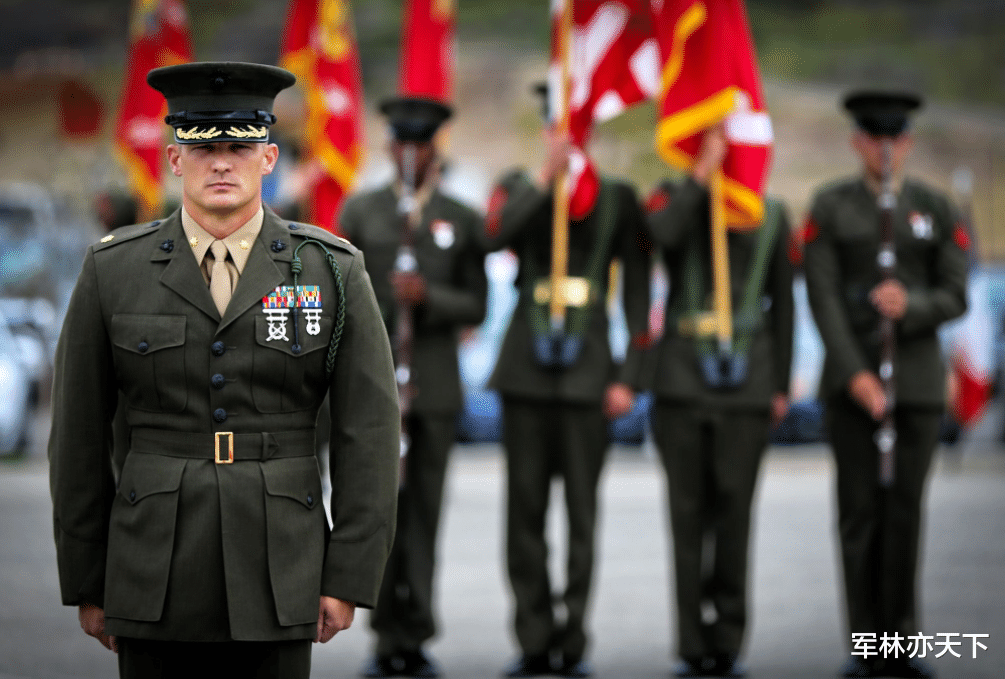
(251, 131)
(194, 133)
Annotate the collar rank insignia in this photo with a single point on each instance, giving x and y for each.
(443, 233)
(921, 225)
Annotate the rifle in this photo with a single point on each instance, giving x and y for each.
(405, 262)
(886, 259)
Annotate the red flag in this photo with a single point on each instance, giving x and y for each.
(319, 47)
(427, 50)
(614, 64)
(158, 37)
(710, 74)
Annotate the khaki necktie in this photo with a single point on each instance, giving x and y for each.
(219, 277)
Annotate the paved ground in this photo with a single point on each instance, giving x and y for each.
(797, 628)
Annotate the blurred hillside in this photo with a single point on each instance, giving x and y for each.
(810, 52)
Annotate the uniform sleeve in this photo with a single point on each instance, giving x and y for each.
(824, 288)
(946, 298)
(364, 449)
(80, 442)
(464, 302)
(635, 251)
(673, 212)
(512, 207)
(782, 305)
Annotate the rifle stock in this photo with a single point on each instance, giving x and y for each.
(404, 329)
(886, 260)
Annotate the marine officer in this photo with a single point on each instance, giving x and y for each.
(209, 553)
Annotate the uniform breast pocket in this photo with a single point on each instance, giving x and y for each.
(289, 368)
(150, 360)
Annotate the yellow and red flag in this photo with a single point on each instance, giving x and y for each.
(319, 47)
(427, 50)
(710, 75)
(158, 36)
(613, 64)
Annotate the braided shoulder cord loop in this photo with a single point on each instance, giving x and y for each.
(297, 267)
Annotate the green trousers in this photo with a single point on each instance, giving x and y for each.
(879, 527)
(403, 618)
(544, 439)
(711, 458)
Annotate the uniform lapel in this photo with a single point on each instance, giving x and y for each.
(182, 273)
(260, 275)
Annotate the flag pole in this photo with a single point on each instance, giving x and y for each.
(722, 302)
(560, 221)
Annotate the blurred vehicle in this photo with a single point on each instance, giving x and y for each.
(27, 220)
(15, 392)
(31, 323)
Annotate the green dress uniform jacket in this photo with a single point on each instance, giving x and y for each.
(175, 546)
(880, 527)
(711, 440)
(841, 242)
(450, 259)
(681, 213)
(521, 219)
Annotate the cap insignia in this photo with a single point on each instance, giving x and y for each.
(195, 133)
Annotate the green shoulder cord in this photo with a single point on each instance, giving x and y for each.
(578, 318)
(296, 266)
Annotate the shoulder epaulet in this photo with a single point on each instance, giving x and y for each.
(127, 233)
(317, 233)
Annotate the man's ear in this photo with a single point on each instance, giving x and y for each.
(174, 157)
(269, 158)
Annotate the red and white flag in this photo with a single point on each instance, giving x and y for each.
(158, 36)
(709, 74)
(427, 50)
(319, 47)
(614, 64)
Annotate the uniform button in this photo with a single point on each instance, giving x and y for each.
(217, 381)
(142, 347)
(218, 348)
(132, 495)
(310, 500)
(295, 349)
(220, 415)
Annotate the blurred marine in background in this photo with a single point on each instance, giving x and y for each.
(426, 262)
(880, 521)
(208, 552)
(714, 412)
(559, 392)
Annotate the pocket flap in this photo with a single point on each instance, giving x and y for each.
(294, 478)
(146, 333)
(144, 475)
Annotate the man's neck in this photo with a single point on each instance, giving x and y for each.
(222, 224)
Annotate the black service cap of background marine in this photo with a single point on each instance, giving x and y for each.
(881, 113)
(414, 119)
(220, 100)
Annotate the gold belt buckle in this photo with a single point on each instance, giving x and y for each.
(230, 447)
